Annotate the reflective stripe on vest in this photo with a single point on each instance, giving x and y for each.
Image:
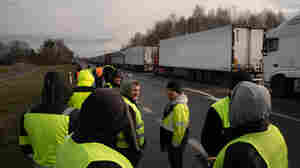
(72, 154)
(167, 122)
(68, 111)
(270, 145)
(45, 133)
(121, 143)
(108, 85)
(222, 108)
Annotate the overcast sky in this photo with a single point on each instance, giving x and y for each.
(106, 24)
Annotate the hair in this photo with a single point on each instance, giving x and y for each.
(135, 83)
(175, 86)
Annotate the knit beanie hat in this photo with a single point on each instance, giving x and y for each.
(175, 86)
(237, 77)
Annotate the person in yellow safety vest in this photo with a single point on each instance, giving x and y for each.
(215, 133)
(116, 80)
(44, 126)
(99, 78)
(85, 86)
(174, 130)
(108, 72)
(91, 144)
(256, 143)
(132, 147)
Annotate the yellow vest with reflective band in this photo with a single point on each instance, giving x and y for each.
(85, 78)
(74, 155)
(108, 85)
(222, 108)
(121, 142)
(270, 145)
(177, 122)
(45, 133)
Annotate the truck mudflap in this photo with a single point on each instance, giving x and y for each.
(297, 85)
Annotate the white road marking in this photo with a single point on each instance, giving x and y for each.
(211, 97)
(201, 93)
(147, 110)
(285, 117)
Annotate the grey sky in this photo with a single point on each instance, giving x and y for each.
(114, 21)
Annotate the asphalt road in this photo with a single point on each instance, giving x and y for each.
(154, 98)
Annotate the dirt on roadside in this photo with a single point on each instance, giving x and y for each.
(15, 70)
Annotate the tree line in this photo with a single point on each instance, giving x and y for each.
(51, 52)
(201, 20)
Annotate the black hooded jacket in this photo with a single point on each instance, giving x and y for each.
(102, 117)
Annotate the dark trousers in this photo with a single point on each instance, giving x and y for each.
(175, 154)
(133, 156)
(175, 157)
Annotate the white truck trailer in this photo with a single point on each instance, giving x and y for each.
(282, 58)
(140, 58)
(210, 55)
(117, 59)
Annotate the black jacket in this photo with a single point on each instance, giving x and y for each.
(243, 154)
(101, 127)
(213, 136)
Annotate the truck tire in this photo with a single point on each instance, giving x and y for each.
(279, 86)
(290, 87)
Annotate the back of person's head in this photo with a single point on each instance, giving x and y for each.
(108, 72)
(54, 93)
(237, 77)
(99, 71)
(102, 116)
(175, 86)
(251, 103)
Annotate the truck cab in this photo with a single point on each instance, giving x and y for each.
(282, 58)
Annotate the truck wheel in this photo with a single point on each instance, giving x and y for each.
(279, 86)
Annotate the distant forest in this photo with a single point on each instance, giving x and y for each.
(51, 52)
(201, 20)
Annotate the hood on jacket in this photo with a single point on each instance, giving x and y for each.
(108, 72)
(180, 99)
(250, 103)
(85, 78)
(102, 117)
(54, 94)
(125, 88)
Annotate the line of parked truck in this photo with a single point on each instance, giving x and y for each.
(272, 57)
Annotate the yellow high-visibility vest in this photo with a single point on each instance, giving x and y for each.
(270, 145)
(121, 142)
(222, 108)
(74, 155)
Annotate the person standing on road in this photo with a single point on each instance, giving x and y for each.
(85, 86)
(256, 142)
(91, 144)
(132, 147)
(174, 130)
(116, 80)
(216, 132)
(108, 72)
(99, 77)
(45, 125)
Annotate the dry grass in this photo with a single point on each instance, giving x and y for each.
(17, 93)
